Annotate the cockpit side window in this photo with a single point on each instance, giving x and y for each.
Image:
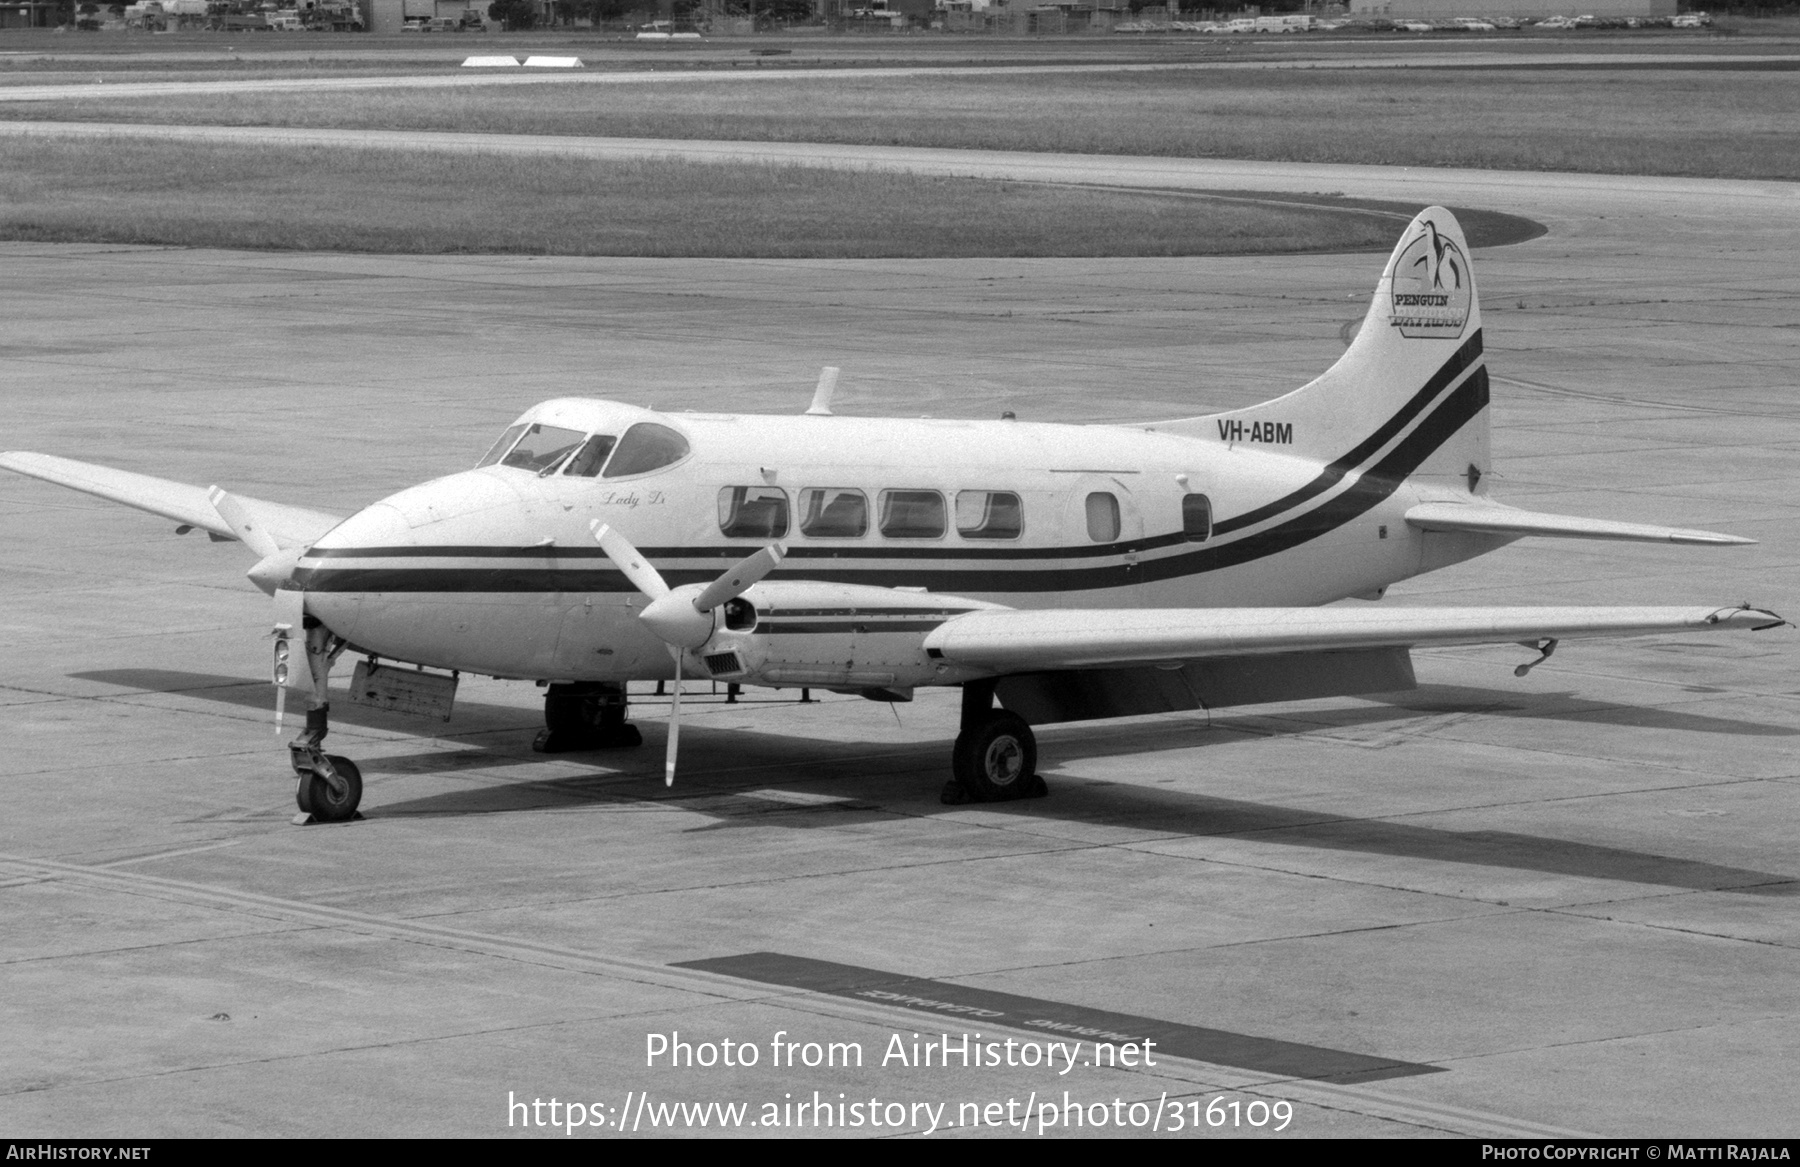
(646, 446)
(587, 462)
(542, 447)
(502, 446)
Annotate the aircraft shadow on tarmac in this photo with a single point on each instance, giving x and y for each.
(766, 766)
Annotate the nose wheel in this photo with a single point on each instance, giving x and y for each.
(328, 786)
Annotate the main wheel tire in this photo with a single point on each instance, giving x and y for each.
(585, 717)
(572, 713)
(328, 806)
(996, 758)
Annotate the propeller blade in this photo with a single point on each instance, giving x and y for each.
(237, 517)
(674, 722)
(280, 679)
(739, 579)
(625, 557)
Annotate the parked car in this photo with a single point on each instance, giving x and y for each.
(1413, 26)
(1470, 24)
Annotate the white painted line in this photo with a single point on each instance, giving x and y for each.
(554, 63)
(492, 62)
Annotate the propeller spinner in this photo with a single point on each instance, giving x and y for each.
(682, 617)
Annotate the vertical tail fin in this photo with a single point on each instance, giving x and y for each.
(1409, 398)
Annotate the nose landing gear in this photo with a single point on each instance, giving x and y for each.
(328, 787)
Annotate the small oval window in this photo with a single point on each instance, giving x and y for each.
(1196, 517)
(1102, 517)
(753, 512)
(912, 514)
(646, 446)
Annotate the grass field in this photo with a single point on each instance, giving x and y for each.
(317, 198)
(1733, 124)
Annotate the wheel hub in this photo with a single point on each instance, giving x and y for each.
(1004, 761)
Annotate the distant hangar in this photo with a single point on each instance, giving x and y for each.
(1447, 10)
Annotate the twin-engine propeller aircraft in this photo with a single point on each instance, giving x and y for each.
(1053, 572)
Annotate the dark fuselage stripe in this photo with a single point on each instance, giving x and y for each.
(841, 627)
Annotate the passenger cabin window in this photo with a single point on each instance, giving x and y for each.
(502, 446)
(543, 447)
(587, 461)
(1196, 517)
(912, 514)
(833, 512)
(753, 512)
(988, 514)
(646, 446)
(1102, 517)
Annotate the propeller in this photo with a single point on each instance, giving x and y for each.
(682, 617)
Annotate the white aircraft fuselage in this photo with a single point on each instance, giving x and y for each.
(495, 570)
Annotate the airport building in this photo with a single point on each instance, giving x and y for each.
(1446, 10)
(29, 14)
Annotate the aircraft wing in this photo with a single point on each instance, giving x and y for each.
(1006, 641)
(1494, 519)
(290, 526)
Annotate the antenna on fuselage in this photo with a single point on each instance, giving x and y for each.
(821, 403)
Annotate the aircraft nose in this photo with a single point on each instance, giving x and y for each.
(379, 525)
(436, 512)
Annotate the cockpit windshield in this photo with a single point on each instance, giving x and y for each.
(587, 463)
(502, 446)
(546, 449)
(542, 447)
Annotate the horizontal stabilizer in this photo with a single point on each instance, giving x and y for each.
(189, 505)
(1488, 518)
(1011, 641)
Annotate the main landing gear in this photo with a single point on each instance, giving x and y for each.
(328, 786)
(586, 715)
(995, 756)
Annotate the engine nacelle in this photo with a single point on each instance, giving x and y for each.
(832, 636)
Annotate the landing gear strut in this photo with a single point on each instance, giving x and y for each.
(995, 756)
(586, 715)
(329, 786)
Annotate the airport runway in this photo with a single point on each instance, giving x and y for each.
(1496, 906)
